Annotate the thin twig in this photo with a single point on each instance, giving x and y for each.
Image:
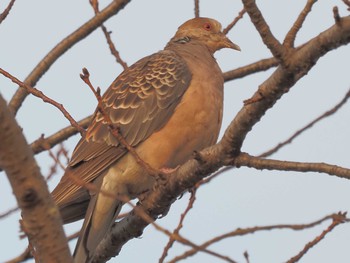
(251, 230)
(196, 8)
(42, 144)
(234, 22)
(336, 14)
(213, 176)
(176, 236)
(337, 220)
(8, 212)
(39, 94)
(179, 226)
(4, 14)
(308, 126)
(291, 35)
(53, 169)
(189, 207)
(112, 48)
(246, 256)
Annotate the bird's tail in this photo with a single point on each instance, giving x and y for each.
(99, 218)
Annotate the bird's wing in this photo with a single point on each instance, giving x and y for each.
(140, 102)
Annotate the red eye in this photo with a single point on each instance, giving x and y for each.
(207, 26)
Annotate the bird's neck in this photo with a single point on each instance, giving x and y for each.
(187, 47)
(197, 57)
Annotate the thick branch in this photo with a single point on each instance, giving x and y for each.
(41, 218)
(209, 160)
(61, 48)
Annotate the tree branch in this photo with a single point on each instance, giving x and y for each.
(7, 10)
(247, 160)
(62, 47)
(337, 220)
(291, 35)
(234, 22)
(39, 94)
(41, 218)
(308, 126)
(255, 67)
(277, 50)
(42, 144)
(250, 230)
(112, 48)
(196, 8)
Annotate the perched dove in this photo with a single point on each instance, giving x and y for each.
(167, 106)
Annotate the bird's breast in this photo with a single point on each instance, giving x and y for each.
(195, 123)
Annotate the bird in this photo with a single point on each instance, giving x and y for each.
(166, 106)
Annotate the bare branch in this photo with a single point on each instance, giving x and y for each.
(255, 67)
(234, 22)
(336, 14)
(196, 8)
(112, 48)
(245, 159)
(261, 26)
(246, 256)
(179, 226)
(291, 35)
(337, 220)
(41, 218)
(308, 126)
(7, 10)
(252, 230)
(113, 8)
(8, 212)
(39, 94)
(42, 144)
(279, 83)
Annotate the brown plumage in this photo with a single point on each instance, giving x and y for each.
(166, 105)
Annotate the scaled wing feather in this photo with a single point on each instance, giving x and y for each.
(140, 102)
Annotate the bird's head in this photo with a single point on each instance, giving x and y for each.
(207, 31)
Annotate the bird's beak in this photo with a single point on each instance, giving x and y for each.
(229, 44)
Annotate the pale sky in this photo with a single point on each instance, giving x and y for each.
(239, 198)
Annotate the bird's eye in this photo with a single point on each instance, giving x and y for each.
(207, 26)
